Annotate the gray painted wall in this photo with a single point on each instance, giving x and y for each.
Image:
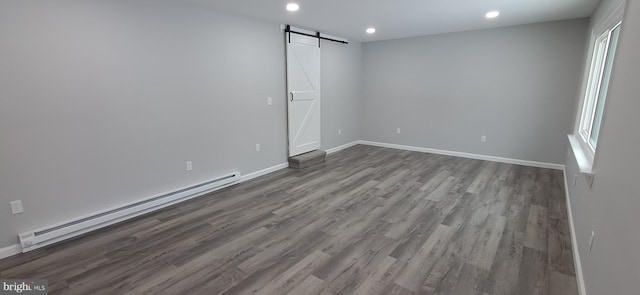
(341, 92)
(516, 85)
(103, 102)
(610, 207)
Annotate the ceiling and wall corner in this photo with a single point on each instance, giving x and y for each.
(403, 18)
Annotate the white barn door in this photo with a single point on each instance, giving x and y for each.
(303, 89)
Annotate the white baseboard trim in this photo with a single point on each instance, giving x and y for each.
(262, 172)
(465, 155)
(342, 147)
(10, 251)
(582, 290)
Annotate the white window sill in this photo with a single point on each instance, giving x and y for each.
(583, 157)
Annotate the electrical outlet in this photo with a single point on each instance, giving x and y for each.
(398, 130)
(593, 235)
(339, 131)
(483, 138)
(269, 100)
(16, 207)
(189, 166)
(257, 147)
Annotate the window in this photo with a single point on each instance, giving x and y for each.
(597, 85)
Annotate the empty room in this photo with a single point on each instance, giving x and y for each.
(319, 147)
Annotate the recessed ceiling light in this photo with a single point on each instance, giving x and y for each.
(293, 7)
(492, 14)
(371, 30)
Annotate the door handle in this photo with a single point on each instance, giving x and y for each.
(291, 96)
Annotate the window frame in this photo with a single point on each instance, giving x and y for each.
(599, 62)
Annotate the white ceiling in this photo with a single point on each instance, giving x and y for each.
(403, 18)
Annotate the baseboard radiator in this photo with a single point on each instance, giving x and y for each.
(48, 235)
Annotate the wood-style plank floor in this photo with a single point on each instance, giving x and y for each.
(369, 221)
